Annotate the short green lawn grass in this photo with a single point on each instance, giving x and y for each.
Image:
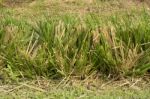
(72, 92)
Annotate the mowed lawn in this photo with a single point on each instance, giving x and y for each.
(77, 93)
(44, 89)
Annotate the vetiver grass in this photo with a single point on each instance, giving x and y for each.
(75, 46)
(74, 49)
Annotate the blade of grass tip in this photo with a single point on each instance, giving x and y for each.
(145, 43)
(33, 46)
(29, 44)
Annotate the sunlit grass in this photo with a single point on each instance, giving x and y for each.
(74, 46)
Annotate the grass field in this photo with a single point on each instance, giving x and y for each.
(81, 41)
(75, 89)
(77, 93)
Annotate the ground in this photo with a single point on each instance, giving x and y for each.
(46, 89)
(32, 10)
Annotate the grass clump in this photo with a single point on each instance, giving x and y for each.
(71, 46)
